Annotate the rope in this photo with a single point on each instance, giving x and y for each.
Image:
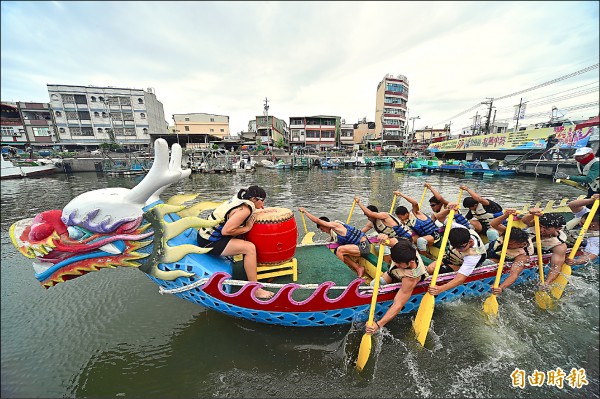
(200, 282)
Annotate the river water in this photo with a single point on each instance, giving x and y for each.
(111, 333)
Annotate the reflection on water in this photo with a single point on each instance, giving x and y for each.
(110, 333)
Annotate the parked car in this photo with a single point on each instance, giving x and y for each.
(96, 152)
(390, 147)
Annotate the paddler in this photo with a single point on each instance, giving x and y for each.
(237, 215)
(383, 223)
(481, 212)
(553, 239)
(580, 210)
(465, 252)
(353, 242)
(407, 267)
(588, 167)
(424, 230)
(518, 253)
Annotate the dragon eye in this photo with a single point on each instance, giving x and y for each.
(78, 233)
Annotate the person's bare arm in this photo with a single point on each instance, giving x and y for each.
(496, 223)
(413, 202)
(233, 226)
(578, 204)
(475, 196)
(528, 218)
(436, 194)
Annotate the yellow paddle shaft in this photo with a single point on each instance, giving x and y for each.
(423, 198)
(351, 210)
(376, 286)
(504, 248)
(586, 225)
(304, 223)
(442, 252)
(393, 203)
(538, 244)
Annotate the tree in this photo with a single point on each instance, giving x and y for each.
(280, 143)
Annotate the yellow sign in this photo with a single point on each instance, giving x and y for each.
(567, 137)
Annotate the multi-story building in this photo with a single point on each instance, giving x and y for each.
(39, 126)
(427, 135)
(347, 135)
(13, 130)
(271, 130)
(91, 115)
(318, 131)
(199, 129)
(364, 132)
(391, 107)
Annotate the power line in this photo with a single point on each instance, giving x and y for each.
(581, 71)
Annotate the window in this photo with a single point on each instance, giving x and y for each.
(99, 130)
(212, 130)
(101, 98)
(7, 131)
(127, 116)
(187, 119)
(80, 99)
(72, 115)
(75, 131)
(187, 128)
(41, 132)
(212, 119)
(61, 130)
(55, 97)
(129, 131)
(87, 131)
(83, 115)
(119, 131)
(145, 130)
(125, 100)
(143, 115)
(58, 114)
(140, 100)
(104, 115)
(93, 98)
(96, 114)
(67, 98)
(222, 130)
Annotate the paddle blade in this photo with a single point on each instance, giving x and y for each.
(363, 352)
(423, 317)
(490, 306)
(560, 283)
(308, 238)
(544, 301)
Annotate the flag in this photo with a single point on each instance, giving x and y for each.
(520, 111)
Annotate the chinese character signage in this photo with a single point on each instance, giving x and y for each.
(568, 137)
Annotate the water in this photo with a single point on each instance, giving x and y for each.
(110, 333)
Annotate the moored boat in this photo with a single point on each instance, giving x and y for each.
(17, 170)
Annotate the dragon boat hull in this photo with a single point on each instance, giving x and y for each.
(122, 227)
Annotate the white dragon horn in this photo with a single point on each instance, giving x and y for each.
(163, 173)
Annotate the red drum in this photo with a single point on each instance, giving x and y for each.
(274, 234)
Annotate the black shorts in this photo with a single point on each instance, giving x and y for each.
(217, 246)
(364, 247)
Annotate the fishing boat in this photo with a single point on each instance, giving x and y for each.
(17, 170)
(381, 161)
(482, 168)
(280, 164)
(134, 228)
(330, 163)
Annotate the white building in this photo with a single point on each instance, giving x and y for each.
(91, 115)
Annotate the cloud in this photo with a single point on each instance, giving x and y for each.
(306, 57)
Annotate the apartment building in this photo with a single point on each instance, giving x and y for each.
(391, 108)
(199, 129)
(92, 115)
(318, 131)
(11, 124)
(271, 130)
(38, 123)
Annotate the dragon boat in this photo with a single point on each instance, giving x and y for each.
(114, 227)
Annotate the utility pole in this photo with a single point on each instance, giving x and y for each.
(266, 107)
(518, 114)
(487, 122)
(494, 120)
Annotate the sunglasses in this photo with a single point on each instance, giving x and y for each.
(463, 246)
(259, 198)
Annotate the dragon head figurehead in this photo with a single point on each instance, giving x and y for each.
(97, 229)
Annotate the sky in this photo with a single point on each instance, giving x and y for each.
(312, 58)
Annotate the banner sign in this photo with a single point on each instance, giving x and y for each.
(568, 137)
(519, 112)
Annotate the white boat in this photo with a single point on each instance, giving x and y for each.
(275, 165)
(358, 159)
(29, 169)
(244, 165)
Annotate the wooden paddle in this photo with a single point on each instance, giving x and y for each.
(425, 312)
(422, 198)
(542, 298)
(351, 210)
(393, 204)
(490, 305)
(308, 236)
(365, 344)
(561, 281)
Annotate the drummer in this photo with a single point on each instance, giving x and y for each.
(237, 215)
(353, 242)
